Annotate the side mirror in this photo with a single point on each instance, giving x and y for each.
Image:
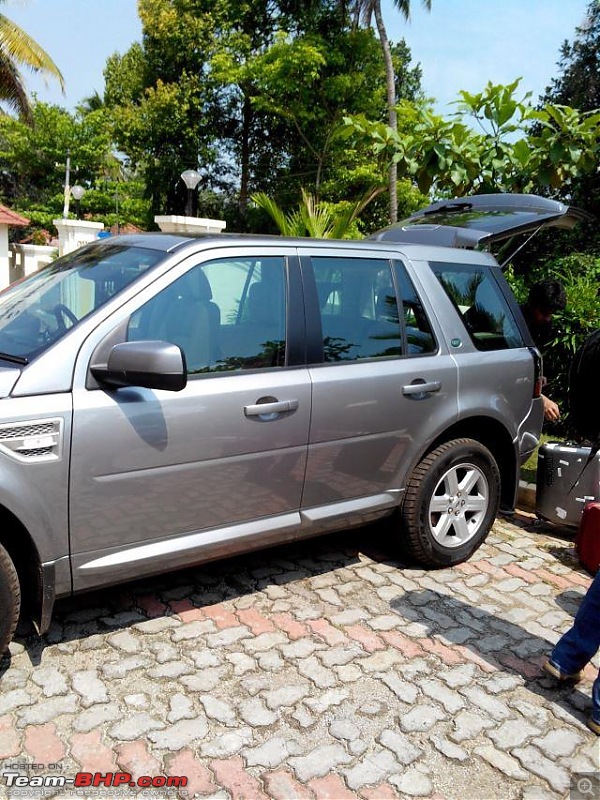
(153, 365)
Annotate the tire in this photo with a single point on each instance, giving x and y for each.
(10, 599)
(451, 502)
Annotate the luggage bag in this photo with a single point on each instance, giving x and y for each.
(587, 541)
(568, 477)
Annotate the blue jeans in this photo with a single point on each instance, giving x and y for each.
(579, 644)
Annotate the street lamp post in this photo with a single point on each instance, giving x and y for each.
(191, 178)
(77, 192)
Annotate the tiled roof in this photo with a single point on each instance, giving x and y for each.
(8, 217)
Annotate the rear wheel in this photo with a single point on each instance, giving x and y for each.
(451, 502)
(10, 599)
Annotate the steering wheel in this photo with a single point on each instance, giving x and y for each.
(62, 314)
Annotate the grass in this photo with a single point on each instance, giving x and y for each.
(529, 468)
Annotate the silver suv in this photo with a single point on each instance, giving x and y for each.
(168, 400)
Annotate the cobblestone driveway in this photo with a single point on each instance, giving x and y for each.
(318, 670)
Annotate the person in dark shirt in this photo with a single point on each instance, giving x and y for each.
(546, 297)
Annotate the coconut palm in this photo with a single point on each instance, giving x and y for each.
(18, 49)
(364, 11)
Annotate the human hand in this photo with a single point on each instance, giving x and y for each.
(551, 409)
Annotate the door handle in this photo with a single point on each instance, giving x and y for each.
(268, 409)
(424, 387)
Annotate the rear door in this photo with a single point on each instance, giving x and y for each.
(163, 479)
(384, 384)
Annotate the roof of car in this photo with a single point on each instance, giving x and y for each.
(169, 243)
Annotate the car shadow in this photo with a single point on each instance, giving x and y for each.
(494, 641)
(109, 610)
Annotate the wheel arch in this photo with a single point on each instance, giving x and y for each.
(17, 542)
(493, 435)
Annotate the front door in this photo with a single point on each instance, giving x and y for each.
(164, 479)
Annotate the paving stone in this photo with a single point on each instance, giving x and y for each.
(413, 783)
(375, 766)
(172, 669)
(327, 700)
(241, 662)
(137, 700)
(181, 708)
(502, 761)
(405, 691)
(381, 661)
(468, 725)
(421, 718)
(537, 763)
(304, 717)
(256, 714)
(179, 735)
(436, 690)
(218, 709)
(491, 705)
(302, 648)
(449, 749)
(51, 681)
(90, 687)
(47, 710)
(340, 656)
(135, 727)
(319, 762)
(125, 641)
(158, 625)
(263, 642)
(269, 754)
(462, 675)
(350, 616)
(344, 729)
(512, 733)
(286, 696)
(403, 748)
(227, 744)
(17, 698)
(203, 681)
(119, 669)
(312, 669)
(558, 743)
(95, 717)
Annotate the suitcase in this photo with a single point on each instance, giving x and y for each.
(587, 541)
(568, 477)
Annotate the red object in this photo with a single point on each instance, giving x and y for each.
(587, 541)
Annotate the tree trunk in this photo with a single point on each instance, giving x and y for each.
(390, 80)
(245, 160)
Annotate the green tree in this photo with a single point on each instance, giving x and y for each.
(578, 86)
(18, 50)
(449, 157)
(32, 167)
(251, 95)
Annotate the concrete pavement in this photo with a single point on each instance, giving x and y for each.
(324, 669)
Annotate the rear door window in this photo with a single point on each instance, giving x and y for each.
(481, 304)
(359, 309)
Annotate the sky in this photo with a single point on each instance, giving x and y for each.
(460, 44)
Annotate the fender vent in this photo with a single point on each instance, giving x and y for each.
(34, 441)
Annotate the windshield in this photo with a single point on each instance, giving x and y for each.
(37, 311)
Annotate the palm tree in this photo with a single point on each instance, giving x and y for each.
(18, 49)
(314, 218)
(365, 10)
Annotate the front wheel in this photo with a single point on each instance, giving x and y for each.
(451, 502)
(10, 599)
